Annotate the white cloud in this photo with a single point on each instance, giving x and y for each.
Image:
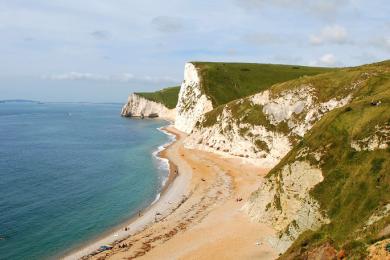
(328, 59)
(325, 60)
(155, 38)
(122, 77)
(75, 76)
(330, 34)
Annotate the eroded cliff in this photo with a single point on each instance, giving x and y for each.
(138, 106)
(332, 188)
(264, 127)
(192, 102)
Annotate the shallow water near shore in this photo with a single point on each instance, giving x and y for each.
(69, 172)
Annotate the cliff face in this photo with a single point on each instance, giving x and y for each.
(137, 106)
(192, 102)
(264, 127)
(283, 200)
(334, 184)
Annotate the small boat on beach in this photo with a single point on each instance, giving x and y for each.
(104, 248)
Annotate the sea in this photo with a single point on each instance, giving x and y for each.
(72, 171)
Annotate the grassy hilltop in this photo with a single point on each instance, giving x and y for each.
(334, 83)
(166, 96)
(224, 82)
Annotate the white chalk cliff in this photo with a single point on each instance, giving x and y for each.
(283, 200)
(380, 139)
(263, 144)
(193, 103)
(138, 106)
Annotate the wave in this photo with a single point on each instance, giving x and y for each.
(157, 198)
(163, 163)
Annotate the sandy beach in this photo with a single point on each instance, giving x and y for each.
(198, 216)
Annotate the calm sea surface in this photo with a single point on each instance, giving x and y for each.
(69, 172)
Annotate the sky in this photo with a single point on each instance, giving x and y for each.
(102, 50)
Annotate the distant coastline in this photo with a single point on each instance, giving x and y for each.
(30, 101)
(20, 101)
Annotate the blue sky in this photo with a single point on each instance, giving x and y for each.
(100, 51)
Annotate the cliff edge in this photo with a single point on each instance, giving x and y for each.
(138, 106)
(193, 102)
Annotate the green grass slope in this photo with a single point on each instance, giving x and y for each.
(166, 96)
(334, 84)
(356, 183)
(224, 82)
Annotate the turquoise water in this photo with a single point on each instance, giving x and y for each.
(69, 172)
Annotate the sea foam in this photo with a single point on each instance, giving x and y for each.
(163, 163)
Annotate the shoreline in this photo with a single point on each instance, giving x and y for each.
(142, 220)
(206, 197)
(162, 155)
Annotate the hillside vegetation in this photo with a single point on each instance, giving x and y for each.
(336, 83)
(351, 146)
(166, 96)
(224, 82)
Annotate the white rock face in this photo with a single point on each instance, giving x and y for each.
(379, 140)
(262, 144)
(137, 106)
(298, 107)
(283, 201)
(192, 102)
(378, 215)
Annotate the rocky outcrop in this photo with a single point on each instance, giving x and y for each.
(138, 106)
(298, 107)
(282, 119)
(378, 215)
(192, 102)
(283, 200)
(254, 143)
(380, 139)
